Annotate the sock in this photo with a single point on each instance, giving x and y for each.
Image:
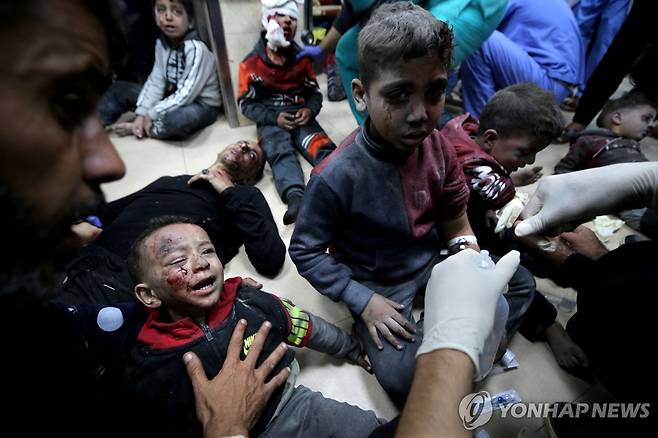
(294, 200)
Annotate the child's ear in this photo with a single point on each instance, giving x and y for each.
(615, 118)
(490, 138)
(146, 296)
(359, 95)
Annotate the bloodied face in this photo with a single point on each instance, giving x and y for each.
(182, 271)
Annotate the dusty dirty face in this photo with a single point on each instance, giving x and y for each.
(171, 17)
(515, 152)
(242, 160)
(405, 102)
(183, 269)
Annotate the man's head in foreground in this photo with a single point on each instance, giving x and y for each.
(55, 151)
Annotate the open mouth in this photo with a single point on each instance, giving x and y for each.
(204, 286)
(416, 136)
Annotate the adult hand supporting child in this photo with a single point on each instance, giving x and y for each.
(231, 403)
(383, 315)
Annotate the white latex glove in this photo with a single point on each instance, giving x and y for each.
(587, 193)
(460, 302)
(510, 212)
(274, 36)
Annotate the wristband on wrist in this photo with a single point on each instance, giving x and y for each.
(462, 241)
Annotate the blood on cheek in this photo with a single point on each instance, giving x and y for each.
(178, 278)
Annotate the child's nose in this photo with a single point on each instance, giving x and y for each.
(418, 112)
(200, 263)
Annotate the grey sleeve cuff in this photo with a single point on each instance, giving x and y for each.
(356, 296)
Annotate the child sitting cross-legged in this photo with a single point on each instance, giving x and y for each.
(181, 95)
(180, 280)
(392, 196)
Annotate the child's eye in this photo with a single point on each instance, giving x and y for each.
(397, 96)
(209, 251)
(179, 261)
(435, 96)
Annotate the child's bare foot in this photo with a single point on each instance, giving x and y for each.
(123, 129)
(567, 353)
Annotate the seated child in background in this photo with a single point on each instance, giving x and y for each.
(180, 280)
(282, 96)
(181, 95)
(391, 196)
(516, 123)
(622, 124)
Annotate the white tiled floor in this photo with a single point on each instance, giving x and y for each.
(538, 378)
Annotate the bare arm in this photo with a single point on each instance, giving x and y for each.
(442, 379)
(328, 44)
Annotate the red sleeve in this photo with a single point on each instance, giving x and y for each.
(454, 198)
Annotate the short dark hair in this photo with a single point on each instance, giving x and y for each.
(401, 31)
(629, 100)
(522, 109)
(187, 5)
(135, 255)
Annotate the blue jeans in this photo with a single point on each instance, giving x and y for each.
(598, 21)
(175, 125)
(309, 414)
(393, 368)
(280, 147)
(498, 63)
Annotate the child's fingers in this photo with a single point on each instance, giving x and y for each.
(375, 337)
(386, 333)
(235, 344)
(257, 345)
(407, 325)
(395, 305)
(397, 327)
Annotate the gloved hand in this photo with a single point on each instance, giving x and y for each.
(315, 52)
(587, 193)
(460, 302)
(510, 212)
